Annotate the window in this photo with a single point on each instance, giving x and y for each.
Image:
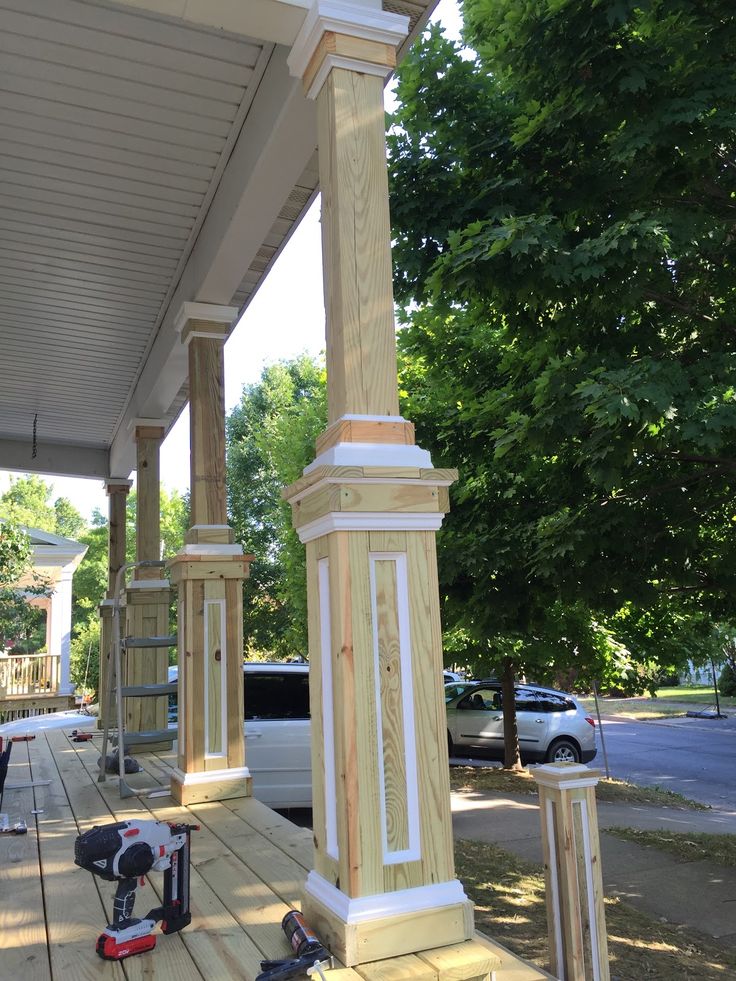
(549, 702)
(527, 701)
(271, 695)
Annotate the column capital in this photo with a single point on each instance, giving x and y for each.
(209, 320)
(148, 428)
(116, 485)
(345, 35)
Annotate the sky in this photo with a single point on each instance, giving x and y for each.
(286, 318)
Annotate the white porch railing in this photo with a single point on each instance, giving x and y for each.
(30, 674)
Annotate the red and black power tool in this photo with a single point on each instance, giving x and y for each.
(124, 853)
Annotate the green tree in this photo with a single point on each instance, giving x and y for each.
(174, 523)
(563, 211)
(270, 439)
(69, 523)
(27, 502)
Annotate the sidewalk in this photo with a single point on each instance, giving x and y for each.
(695, 894)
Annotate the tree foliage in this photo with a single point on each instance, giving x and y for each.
(563, 207)
(270, 439)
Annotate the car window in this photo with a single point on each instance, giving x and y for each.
(550, 702)
(455, 690)
(487, 699)
(527, 701)
(271, 695)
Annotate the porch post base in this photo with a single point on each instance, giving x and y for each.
(372, 928)
(210, 785)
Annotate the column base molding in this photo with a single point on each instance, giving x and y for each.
(202, 786)
(371, 928)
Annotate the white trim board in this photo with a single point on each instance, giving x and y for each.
(384, 904)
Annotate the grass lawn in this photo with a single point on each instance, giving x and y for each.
(669, 702)
(509, 898)
(496, 780)
(691, 846)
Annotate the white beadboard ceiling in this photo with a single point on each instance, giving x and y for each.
(117, 124)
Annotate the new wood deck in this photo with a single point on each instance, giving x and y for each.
(248, 869)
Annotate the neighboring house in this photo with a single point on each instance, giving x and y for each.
(28, 680)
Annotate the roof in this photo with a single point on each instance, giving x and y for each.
(146, 160)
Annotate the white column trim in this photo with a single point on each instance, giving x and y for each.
(355, 20)
(372, 455)
(209, 776)
(213, 312)
(332, 847)
(370, 521)
(212, 548)
(384, 904)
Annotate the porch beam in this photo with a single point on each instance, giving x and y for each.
(55, 459)
(277, 21)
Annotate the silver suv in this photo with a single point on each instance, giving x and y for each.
(552, 726)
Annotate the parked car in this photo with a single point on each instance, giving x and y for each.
(552, 726)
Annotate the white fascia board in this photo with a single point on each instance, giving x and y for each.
(274, 147)
(55, 459)
(277, 21)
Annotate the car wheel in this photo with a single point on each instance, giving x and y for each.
(450, 747)
(563, 751)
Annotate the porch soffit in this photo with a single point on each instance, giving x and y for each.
(130, 139)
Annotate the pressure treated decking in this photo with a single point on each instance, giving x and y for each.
(248, 869)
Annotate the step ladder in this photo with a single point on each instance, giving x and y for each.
(114, 688)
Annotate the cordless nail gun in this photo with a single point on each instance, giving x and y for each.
(124, 853)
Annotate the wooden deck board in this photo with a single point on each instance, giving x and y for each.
(23, 937)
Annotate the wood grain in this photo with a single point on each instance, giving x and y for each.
(361, 342)
(207, 430)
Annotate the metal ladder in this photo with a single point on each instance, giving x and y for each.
(113, 685)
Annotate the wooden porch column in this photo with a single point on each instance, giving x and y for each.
(117, 492)
(368, 509)
(147, 596)
(209, 573)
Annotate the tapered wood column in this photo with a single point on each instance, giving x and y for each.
(367, 509)
(117, 493)
(209, 573)
(148, 593)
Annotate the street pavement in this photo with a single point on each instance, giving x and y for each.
(694, 757)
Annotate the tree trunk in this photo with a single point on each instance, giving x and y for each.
(512, 757)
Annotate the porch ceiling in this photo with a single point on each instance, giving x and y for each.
(145, 159)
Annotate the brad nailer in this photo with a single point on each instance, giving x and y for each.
(124, 853)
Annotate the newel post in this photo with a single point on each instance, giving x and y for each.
(576, 920)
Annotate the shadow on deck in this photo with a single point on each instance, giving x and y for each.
(249, 865)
